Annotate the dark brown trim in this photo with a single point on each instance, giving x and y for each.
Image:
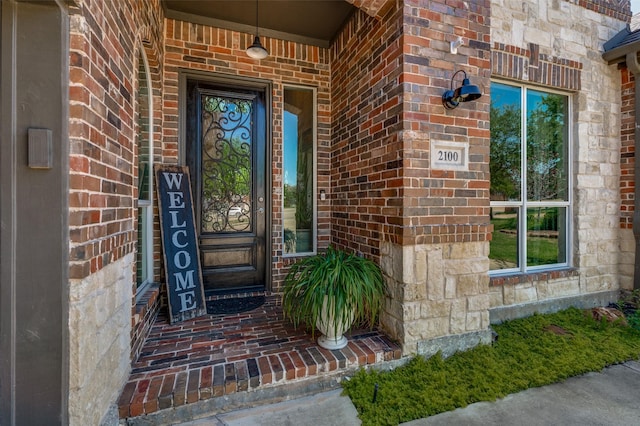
(34, 239)
(619, 54)
(236, 82)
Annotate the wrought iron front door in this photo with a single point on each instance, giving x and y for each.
(226, 136)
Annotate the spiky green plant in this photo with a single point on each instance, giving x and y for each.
(355, 284)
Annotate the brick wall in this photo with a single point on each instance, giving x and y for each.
(387, 92)
(102, 130)
(445, 206)
(618, 9)
(366, 157)
(627, 148)
(102, 194)
(379, 109)
(446, 212)
(428, 228)
(530, 65)
(627, 178)
(198, 47)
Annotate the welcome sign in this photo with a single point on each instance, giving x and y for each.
(180, 243)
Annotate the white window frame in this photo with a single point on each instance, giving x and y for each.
(524, 204)
(314, 244)
(147, 205)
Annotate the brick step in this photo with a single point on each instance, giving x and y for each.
(218, 363)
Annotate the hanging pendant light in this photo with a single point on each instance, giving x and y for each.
(256, 50)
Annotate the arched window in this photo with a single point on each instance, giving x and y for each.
(144, 137)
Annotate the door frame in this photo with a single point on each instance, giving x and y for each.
(233, 82)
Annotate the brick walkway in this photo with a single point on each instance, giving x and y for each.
(216, 355)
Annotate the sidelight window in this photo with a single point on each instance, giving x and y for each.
(299, 207)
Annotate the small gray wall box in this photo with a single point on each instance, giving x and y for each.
(40, 144)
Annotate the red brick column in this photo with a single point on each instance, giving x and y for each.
(428, 227)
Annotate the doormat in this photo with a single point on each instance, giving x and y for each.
(234, 305)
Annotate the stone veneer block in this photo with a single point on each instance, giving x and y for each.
(458, 317)
(478, 302)
(474, 320)
(467, 285)
(495, 296)
(100, 321)
(450, 288)
(435, 309)
(569, 286)
(525, 293)
(435, 274)
(456, 299)
(500, 314)
(600, 283)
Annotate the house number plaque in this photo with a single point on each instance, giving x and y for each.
(447, 155)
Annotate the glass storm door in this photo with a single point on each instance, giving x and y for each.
(226, 158)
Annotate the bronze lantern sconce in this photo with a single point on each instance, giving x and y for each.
(465, 93)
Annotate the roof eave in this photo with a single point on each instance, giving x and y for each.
(619, 54)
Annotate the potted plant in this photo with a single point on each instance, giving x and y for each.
(331, 290)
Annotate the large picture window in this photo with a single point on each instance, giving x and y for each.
(530, 174)
(299, 210)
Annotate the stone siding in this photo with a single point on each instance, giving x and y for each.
(534, 288)
(569, 38)
(436, 290)
(99, 320)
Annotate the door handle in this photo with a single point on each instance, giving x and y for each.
(261, 210)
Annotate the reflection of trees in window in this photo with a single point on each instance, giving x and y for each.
(546, 159)
(289, 195)
(505, 152)
(298, 165)
(530, 231)
(304, 190)
(226, 164)
(546, 170)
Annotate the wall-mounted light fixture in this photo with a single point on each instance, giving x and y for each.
(465, 93)
(256, 50)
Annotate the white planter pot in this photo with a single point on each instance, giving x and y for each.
(332, 336)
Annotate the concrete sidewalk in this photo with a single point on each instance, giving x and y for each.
(611, 397)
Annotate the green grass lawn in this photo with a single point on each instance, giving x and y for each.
(528, 353)
(504, 246)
